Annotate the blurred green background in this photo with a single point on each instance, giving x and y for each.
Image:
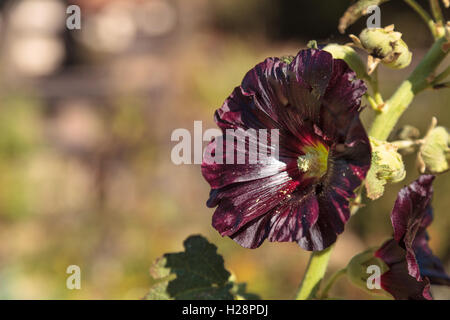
(85, 123)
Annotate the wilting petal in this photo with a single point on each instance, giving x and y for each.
(410, 208)
(430, 266)
(412, 265)
(409, 211)
(397, 281)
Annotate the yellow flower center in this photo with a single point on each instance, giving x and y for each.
(314, 162)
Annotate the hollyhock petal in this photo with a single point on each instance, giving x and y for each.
(407, 215)
(222, 174)
(409, 209)
(328, 226)
(302, 192)
(397, 281)
(310, 73)
(412, 265)
(292, 218)
(343, 97)
(240, 203)
(253, 233)
(429, 265)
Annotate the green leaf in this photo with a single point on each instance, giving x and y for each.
(198, 273)
(356, 11)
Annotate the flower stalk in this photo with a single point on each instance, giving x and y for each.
(315, 271)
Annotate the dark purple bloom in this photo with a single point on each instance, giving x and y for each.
(324, 153)
(412, 265)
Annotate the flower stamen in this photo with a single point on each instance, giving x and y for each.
(314, 162)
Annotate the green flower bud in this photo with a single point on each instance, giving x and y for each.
(386, 45)
(364, 268)
(387, 166)
(434, 153)
(401, 57)
(378, 42)
(349, 55)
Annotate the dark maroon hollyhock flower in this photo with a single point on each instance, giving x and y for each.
(412, 265)
(324, 153)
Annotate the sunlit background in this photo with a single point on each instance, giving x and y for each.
(86, 118)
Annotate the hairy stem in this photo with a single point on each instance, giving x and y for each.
(315, 271)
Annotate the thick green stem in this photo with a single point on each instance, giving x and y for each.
(314, 273)
(386, 120)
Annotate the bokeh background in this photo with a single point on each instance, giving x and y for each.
(86, 118)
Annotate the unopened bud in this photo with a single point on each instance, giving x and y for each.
(387, 166)
(385, 45)
(434, 154)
